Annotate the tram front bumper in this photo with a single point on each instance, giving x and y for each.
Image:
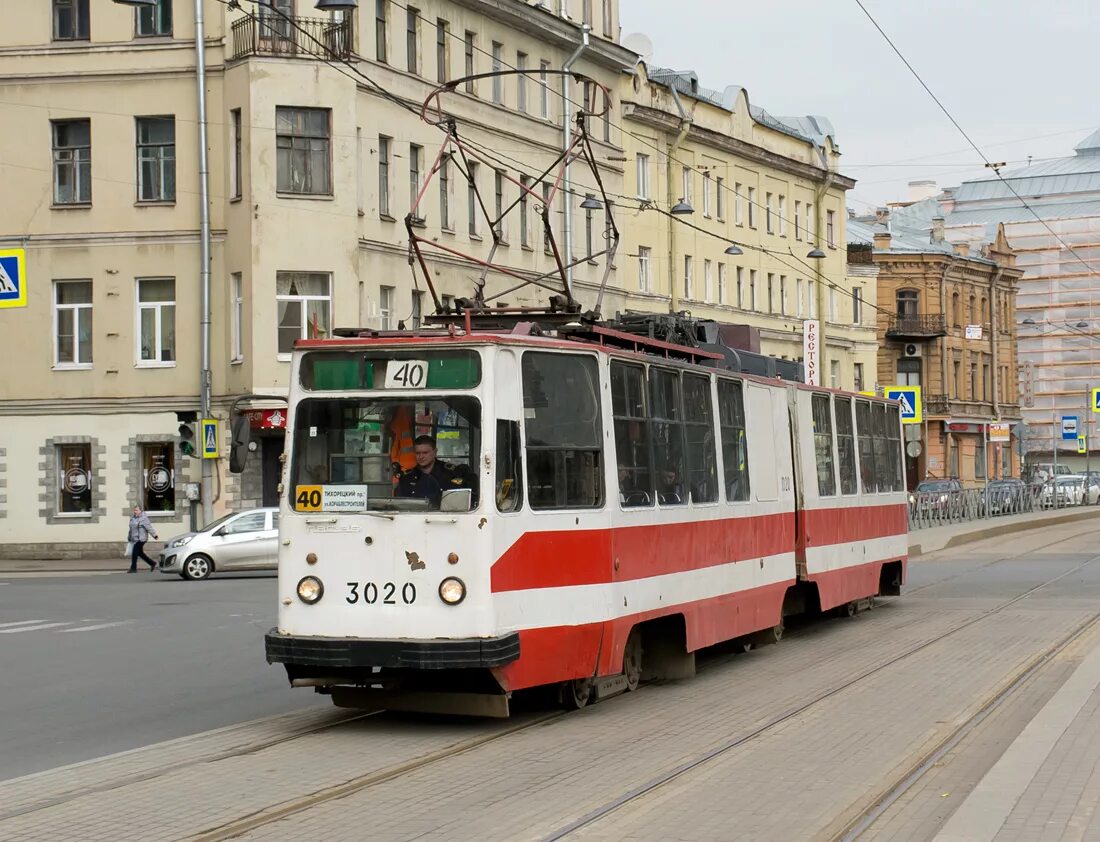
(467, 653)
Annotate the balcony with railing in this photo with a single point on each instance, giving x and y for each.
(916, 326)
(293, 37)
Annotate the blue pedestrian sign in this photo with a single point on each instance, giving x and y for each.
(209, 438)
(908, 398)
(1069, 428)
(13, 278)
(1096, 400)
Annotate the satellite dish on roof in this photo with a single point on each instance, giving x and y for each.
(639, 43)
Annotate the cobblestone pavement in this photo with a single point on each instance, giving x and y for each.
(870, 718)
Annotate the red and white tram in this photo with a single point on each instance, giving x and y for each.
(620, 504)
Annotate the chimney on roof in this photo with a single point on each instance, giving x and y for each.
(924, 189)
(882, 214)
(882, 240)
(962, 249)
(937, 229)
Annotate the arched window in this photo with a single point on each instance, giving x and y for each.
(973, 313)
(908, 302)
(985, 310)
(956, 315)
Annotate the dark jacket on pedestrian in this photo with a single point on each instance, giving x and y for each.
(141, 528)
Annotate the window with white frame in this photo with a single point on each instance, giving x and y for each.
(706, 194)
(782, 216)
(442, 50)
(719, 198)
(721, 283)
(834, 374)
(304, 304)
(644, 282)
(740, 299)
(416, 159)
(384, 144)
(708, 282)
(235, 173)
(589, 246)
(809, 221)
(70, 20)
(524, 228)
(689, 281)
(830, 228)
(812, 296)
(498, 201)
(156, 317)
(521, 83)
(303, 145)
(470, 46)
(768, 212)
(237, 325)
(687, 185)
(771, 292)
(381, 8)
(797, 220)
(498, 64)
(783, 294)
(385, 307)
(857, 305)
(799, 306)
(753, 302)
(832, 304)
(72, 161)
(445, 221)
(752, 207)
(608, 20)
(155, 20)
(72, 347)
(738, 206)
(156, 159)
(641, 165)
(412, 39)
(544, 89)
(547, 203)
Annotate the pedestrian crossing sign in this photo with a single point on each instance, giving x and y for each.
(908, 398)
(209, 438)
(13, 278)
(1096, 400)
(1082, 445)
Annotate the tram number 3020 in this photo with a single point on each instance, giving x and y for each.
(384, 593)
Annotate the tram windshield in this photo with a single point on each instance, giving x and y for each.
(389, 454)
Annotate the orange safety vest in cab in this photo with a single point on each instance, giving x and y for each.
(402, 457)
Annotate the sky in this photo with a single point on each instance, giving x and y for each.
(1017, 75)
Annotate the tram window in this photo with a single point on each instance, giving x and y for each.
(823, 445)
(668, 435)
(866, 448)
(564, 431)
(846, 445)
(735, 453)
(893, 446)
(883, 473)
(509, 491)
(702, 464)
(632, 452)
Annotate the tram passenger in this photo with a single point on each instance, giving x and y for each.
(431, 477)
(670, 489)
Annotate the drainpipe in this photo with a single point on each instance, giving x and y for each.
(205, 377)
(996, 277)
(944, 348)
(685, 127)
(819, 226)
(566, 134)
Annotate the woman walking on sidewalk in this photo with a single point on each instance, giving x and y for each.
(140, 530)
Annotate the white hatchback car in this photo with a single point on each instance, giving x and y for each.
(246, 540)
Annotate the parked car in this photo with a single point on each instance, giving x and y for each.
(1072, 490)
(246, 540)
(935, 495)
(1005, 496)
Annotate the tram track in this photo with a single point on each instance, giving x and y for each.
(668, 776)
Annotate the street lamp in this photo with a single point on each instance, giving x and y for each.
(589, 202)
(335, 5)
(734, 249)
(136, 3)
(815, 253)
(682, 208)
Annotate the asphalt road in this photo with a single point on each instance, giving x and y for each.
(94, 665)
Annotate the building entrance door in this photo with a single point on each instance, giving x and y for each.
(272, 449)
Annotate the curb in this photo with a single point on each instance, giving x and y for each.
(994, 530)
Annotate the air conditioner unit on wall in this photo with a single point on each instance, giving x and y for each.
(911, 349)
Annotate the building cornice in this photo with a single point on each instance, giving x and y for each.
(663, 121)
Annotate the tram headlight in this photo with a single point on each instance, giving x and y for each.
(310, 590)
(452, 590)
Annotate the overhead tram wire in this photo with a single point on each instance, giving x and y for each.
(974, 146)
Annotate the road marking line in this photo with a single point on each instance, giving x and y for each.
(33, 628)
(97, 627)
(21, 623)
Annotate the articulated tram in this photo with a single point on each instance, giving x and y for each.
(593, 508)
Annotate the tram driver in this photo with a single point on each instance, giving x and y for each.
(430, 477)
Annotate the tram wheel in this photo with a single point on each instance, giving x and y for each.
(849, 610)
(576, 694)
(632, 659)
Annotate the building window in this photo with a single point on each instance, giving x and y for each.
(956, 380)
(304, 302)
(521, 83)
(156, 159)
(735, 451)
(633, 449)
(72, 324)
(74, 473)
(688, 280)
(799, 305)
(235, 176)
(498, 200)
(719, 198)
(782, 216)
(973, 381)
(237, 303)
(973, 311)
(470, 42)
(498, 65)
(643, 268)
(380, 13)
(708, 281)
(783, 294)
(832, 305)
(641, 165)
(830, 228)
(588, 245)
(985, 382)
(857, 376)
(442, 51)
(907, 301)
(721, 283)
(738, 205)
(154, 20)
(445, 221)
(857, 305)
(544, 89)
(385, 308)
(687, 185)
(797, 220)
(771, 291)
(473, 206)
(706, 194)
(546, 203)
(752, 291)
(846, 442)
(158, 477)
(823, 444)
(417, 309)
(834, 374)
(302, 139)
(383, 175)
(752, 207)
(952, 456)
(979, 458)
(72, 162)
(811, 295)
(768, 212)
(70, 20)
(416, 156)
(809, 221)
(740, 278)
(156, 318)
(412, 39)
(524, 228)
(586, 12)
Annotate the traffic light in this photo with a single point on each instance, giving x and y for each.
(187, 439)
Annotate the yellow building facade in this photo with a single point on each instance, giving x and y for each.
(707, 171)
